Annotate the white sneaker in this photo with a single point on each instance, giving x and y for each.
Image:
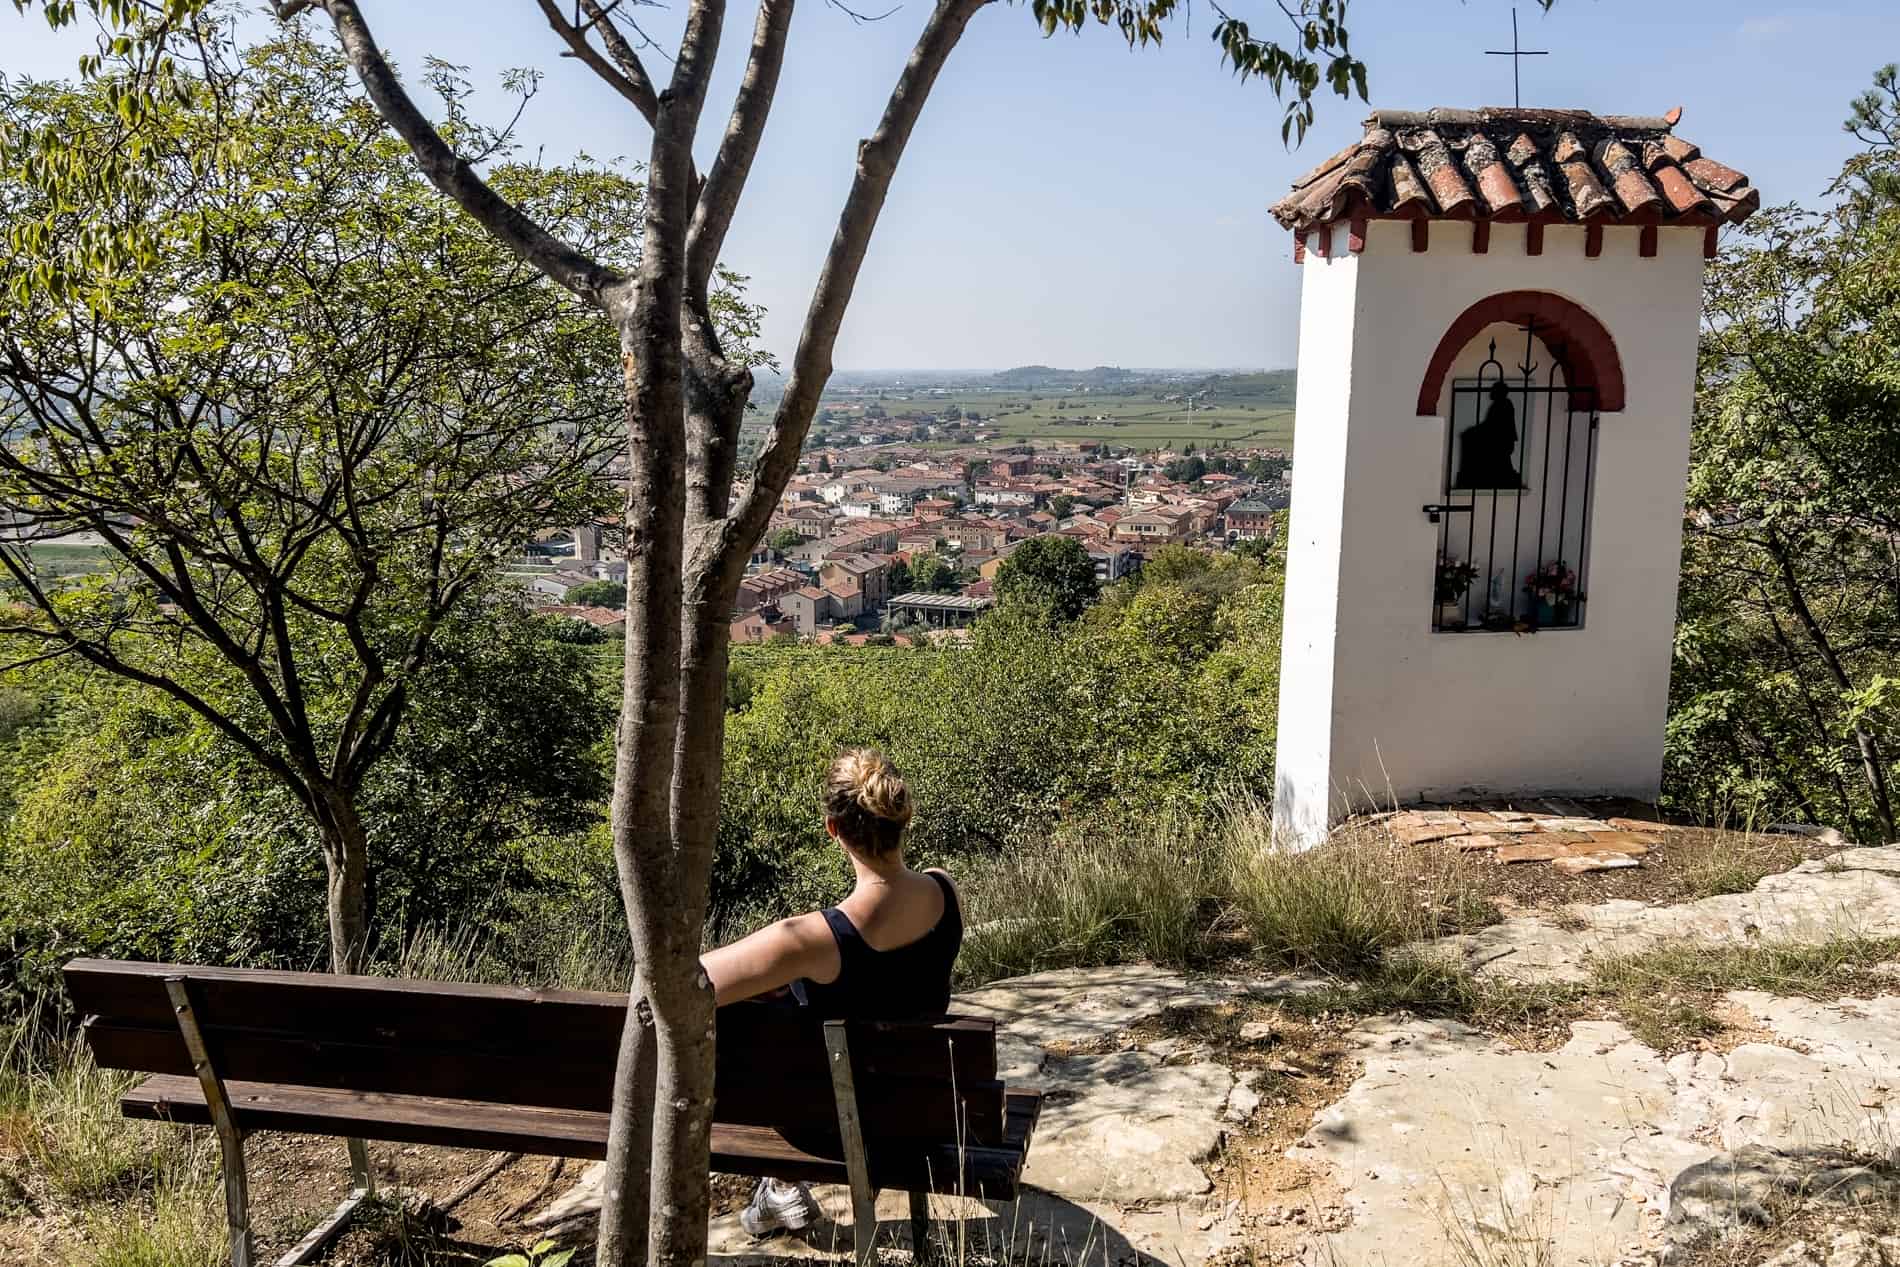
(777, 1204)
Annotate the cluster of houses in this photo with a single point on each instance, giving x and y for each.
(857, 523)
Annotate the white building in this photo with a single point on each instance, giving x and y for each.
(1448, 252)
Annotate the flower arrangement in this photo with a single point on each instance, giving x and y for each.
(1454, 578)
(1552, 582)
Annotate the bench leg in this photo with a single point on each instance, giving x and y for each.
(237, 1201)
(362, 1178)
(920, 1225)
(318, 1238)
(851, 1134)
(237, 1197)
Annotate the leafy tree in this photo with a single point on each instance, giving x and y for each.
(824, 463)
(1186, 470)
(610, 594)
(1874, 119)
(932, 573)
(900, 578)
(686, 386)
(307, 427)
(1061, 505)
(1050, 573)
(785, 540)
(1786, 702)
(143, 831)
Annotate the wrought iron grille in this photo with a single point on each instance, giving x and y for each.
(1514, 513)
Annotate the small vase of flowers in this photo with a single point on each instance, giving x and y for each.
(1452, 583)
(1553, 589)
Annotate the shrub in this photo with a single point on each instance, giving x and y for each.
(140, 833)
(184, 1229)
(610, 594)
(1099, 893)
(1159, 702)
(1343, 907)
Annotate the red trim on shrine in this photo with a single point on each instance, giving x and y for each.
(1589, 353)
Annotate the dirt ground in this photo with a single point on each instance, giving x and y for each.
(1686, 863)
(1304, 1064)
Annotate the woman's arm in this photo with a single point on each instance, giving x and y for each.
(773, 957)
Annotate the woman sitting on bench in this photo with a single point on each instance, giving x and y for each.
(884, 953)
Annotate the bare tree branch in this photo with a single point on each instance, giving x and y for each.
(451, 174)
(725, 182)
(862, 18)
(637, 90)
(811, 364)
(617, 46)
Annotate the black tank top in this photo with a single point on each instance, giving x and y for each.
(889, 985)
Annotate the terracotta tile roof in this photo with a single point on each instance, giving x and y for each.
(1518, 164)
(599, 617)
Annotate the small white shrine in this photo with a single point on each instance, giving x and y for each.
(1498, 330)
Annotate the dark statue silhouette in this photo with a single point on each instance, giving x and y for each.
(1486, 449)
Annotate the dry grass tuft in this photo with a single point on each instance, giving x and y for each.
(1668, 995)
(184, 1228)
(1346, 905)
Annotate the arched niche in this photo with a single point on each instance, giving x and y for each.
(1517, 485)
(1567, 329)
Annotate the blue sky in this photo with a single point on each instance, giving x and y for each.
(1070, 202)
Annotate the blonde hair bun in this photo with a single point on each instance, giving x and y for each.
(868, 799)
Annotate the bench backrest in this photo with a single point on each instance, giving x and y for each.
(924, 1081)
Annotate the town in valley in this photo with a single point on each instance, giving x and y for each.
(914, 488)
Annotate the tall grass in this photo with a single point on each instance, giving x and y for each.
(1182, 891)
(1342, 907)
(591, 955)
(144, 1194)
(60, 1113)
(184, 1228)
(1098, 894)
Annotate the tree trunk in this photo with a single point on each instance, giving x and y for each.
(626, 1193)
(643, 760)
(685, 1015)
(346, 869)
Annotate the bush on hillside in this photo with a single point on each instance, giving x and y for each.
(141, 833)
(609, 594)
(1159, 701)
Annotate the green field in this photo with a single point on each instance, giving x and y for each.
(1147, 424)
(1237, 411)
(69, 560)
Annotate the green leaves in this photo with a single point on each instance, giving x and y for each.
(1790, 606)
(1319, 46)
(1050, 574)
(534, 1257)
(309, 407)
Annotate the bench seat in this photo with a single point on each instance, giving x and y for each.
(992, 1173)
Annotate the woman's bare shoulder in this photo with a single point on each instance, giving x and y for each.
(947, 876)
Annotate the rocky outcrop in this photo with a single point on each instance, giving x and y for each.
(1855, 893)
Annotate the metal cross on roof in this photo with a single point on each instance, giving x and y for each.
(1516, 55)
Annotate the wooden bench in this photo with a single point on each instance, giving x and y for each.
(914, 1106)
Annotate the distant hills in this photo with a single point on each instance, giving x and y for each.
(1048, 376)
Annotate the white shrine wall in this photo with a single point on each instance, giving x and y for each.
(1376, 706)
